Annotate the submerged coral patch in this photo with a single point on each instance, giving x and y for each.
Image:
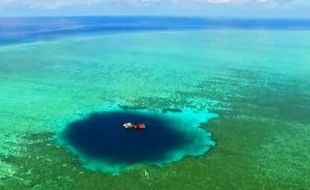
(102, 143)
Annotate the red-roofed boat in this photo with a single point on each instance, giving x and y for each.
(134, 126)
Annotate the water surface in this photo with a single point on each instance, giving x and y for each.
(255, 75)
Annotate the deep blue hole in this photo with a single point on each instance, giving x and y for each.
(102, 136)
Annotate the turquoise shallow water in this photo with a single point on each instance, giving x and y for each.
(258, 81)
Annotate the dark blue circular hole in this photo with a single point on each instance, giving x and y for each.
(102, 136)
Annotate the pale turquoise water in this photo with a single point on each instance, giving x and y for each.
(258, 81)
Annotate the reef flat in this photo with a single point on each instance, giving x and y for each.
(257, 81)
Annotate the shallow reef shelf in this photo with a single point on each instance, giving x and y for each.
(101, 143)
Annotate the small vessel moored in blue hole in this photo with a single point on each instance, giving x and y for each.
(134, 126)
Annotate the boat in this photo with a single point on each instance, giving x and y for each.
(140, 126)
(134, 126)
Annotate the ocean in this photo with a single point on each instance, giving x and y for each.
(253, 74)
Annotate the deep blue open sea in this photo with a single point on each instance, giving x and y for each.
(37, 28)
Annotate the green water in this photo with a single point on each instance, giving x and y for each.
(258, 81)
